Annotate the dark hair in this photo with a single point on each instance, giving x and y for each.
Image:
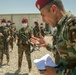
(58, 3)
(36, 23)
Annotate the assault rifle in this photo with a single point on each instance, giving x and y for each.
(24, 37)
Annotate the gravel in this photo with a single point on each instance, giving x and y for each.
(12, 67)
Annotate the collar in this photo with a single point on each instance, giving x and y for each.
(63, 21)
(64, 18)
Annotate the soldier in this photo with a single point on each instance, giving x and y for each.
(23, 45)
(14, 33)
(36, 29)
(10, 33)
(42, 30)
(4, 41)
(54, 13)
(8, 23)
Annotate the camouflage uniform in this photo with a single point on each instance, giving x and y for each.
(65, 44)
(4, 44)
(10, 33)
(36, 31)
(1, 44)
(14, 33)
(42, 31)
(23, 47)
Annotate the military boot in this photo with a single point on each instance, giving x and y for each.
(18, 70)
(7, 61)
(29, 69)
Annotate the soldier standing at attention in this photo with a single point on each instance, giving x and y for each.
(36, 29)
(23, 45)
(42, 30)
(10, 33)
(54, 13)
(14, 33)
(4, 38)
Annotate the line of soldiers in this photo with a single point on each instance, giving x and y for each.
(38, 30)
(8, 34)
(6, 37)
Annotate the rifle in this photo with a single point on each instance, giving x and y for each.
(24, 37)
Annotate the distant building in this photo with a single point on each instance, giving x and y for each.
(17, 18)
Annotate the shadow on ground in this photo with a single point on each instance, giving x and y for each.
(3, 65)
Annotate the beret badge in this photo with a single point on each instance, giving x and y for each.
(38, 6)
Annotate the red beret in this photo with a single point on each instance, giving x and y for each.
(24, 20)
(41, 3)
(3, 21)
(9, 21)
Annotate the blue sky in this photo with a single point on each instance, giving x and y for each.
(28, 6)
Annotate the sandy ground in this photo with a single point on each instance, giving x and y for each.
(13, 64)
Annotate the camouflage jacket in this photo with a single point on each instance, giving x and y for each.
(3, 30)
(21, 34)
(3, 39)
(36, 31)
(65, 41)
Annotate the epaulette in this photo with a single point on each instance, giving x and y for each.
(71, 20)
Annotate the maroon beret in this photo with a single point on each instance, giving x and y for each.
(9, 21)
(3, 21)
(24, 20)
(41, 3)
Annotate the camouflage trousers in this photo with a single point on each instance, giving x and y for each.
(2, 51)
(11, 43)
(26, 49)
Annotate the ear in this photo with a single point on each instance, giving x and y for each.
(54, 9)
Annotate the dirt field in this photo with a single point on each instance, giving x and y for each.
(13, 64)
